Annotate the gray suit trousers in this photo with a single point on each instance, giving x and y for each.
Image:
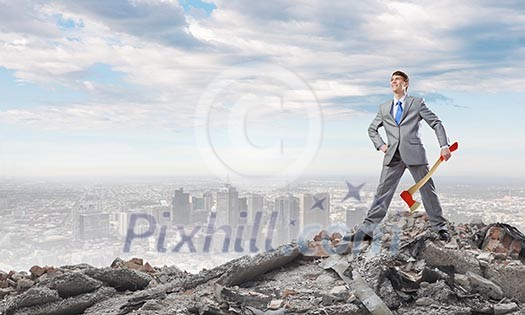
(390, 177)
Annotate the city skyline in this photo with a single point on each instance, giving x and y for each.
(57, 223)
(116, 89)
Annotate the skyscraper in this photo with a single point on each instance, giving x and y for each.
(288, 225)
(228, 206)
(180, 207)
(242, 208)
(255, 204)
(208, 200)
(315, 209)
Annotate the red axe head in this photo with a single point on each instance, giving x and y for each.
(412, 204)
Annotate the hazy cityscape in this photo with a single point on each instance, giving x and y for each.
(197, 223)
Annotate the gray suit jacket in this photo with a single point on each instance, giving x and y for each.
(406, 137)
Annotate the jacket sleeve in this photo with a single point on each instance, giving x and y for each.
(435, 123)
(373, 131)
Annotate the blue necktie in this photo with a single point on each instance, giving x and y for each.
(399, 112)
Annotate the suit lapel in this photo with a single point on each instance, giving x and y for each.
(406, 107)
(387, 109)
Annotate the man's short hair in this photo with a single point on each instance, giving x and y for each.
(400, 73)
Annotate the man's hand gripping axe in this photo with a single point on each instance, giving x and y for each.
(407, 195)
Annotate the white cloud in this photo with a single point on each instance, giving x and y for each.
(340, 49)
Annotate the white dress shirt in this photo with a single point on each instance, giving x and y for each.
(396, 107)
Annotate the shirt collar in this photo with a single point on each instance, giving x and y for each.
(402, 99)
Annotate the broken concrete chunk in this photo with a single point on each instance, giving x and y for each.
(438, 291)
(36, 271)
(340, 289)
(389, 295)
(249, 268)
(121, 279)
(152, 305)
(5, 292)
(329, 299)
(510, 279)
(463, 281)
(35, 296)
(238, 297)
(24, 284)
(500, 309)
(69, 306)
(484, 286)
(425, 301)
(486, 256)
(462, 261)
(19, 276)
(368, 297)
(71, 284)
(275, 304)
(117, 263)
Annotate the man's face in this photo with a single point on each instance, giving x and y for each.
(397, 83)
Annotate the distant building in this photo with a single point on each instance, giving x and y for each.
(355, 216)
(141, 226)
(90, 222)
(92, 226)
(197, 203)
(201, 208)
(228, 206)
(208, 201)
(243, 211)
(180, 207)
(255, 204)
(315, 209)
(288, 221)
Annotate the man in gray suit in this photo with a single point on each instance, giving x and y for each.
(401, 119)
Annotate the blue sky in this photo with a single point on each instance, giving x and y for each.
(116, 88)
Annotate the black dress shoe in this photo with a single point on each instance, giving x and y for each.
(444, 235)
(358, 236)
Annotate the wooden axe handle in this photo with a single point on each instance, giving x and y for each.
(425, 179)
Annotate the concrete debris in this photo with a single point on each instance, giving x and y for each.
(505, 308)
(463, 281)
(71, 284)
(510, 278)
(502, 238)
(404, 269)
(121, 279)
(425, 301)
(275, 304)
(248, 269)
(462, 261)
(484, 286)
(338, 290)
(368, 297)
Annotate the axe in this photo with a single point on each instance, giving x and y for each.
(407, 194)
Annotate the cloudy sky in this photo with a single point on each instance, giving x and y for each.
(202, 87)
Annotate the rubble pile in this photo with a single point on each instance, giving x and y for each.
(405, 269)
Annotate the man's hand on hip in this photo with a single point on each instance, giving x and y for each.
(445, 153)
(384, 147)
